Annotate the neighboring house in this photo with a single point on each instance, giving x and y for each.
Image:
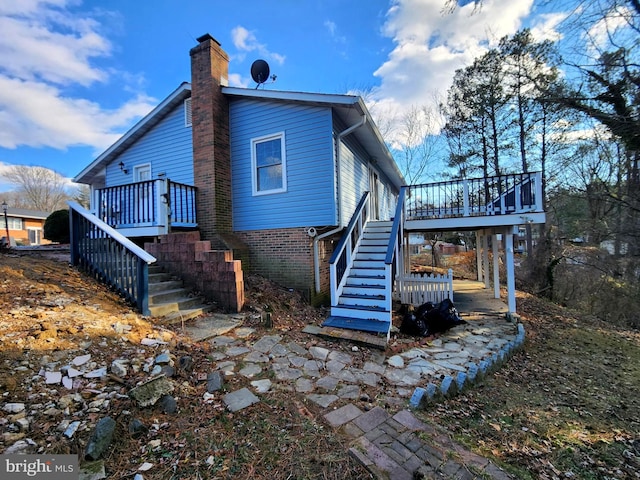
(26, 227)
(300, 187)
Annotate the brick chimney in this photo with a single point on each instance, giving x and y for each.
(210, 133)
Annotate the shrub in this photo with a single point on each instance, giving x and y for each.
(56, 227)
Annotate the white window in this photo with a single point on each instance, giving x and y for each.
(142, 173)
(269, 164)
(14, 223)
(187, 112)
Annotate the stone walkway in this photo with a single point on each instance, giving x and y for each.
(389, 441)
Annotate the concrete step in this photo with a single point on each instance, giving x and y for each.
(157, 287)
(181, 304)
(167, 296)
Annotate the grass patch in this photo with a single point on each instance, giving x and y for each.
(566, 406)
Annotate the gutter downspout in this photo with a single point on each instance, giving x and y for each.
(316, 255)
(316, 239)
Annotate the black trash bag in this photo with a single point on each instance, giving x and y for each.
(442, 317)
(430, 319)
(413, 325)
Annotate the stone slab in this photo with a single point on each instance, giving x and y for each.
(342, 415)
(239, 399)
(211, 326)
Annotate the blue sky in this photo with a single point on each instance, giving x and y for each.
(75, 75)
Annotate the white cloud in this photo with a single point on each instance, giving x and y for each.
(46, 51)
(430, 45)
(245, 41)
(37, 115)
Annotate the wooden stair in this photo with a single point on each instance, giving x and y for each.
(363, 303)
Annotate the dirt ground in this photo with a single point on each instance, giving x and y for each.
(567, 406)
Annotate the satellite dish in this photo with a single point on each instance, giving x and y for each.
(260, 71)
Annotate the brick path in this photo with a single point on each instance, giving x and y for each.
(402, 447)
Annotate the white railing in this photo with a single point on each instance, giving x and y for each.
(416, 289)
(343, 255)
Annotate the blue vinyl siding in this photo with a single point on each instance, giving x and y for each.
(167, 147)
(309, 198)
(355, 178)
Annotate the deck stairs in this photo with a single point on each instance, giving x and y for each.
(363, 303)
(169, 300)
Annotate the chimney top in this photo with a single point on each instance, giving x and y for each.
(206, 37)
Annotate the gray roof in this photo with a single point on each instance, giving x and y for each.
(25, 213)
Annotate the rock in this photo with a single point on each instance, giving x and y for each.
(214, 382)
(168, 404)
(71, 429)
(239, 399)
(186, 363)
(119, 367)
(100, 438)
(81, 360)
(14, 407)
(163, 358)
(137, 428)
(92, 471)
(21, 446)
(149, 392)
(52, 377)
(261, 386)
(319, 353)
(167, 371)
(97, 373)
(396, 361)
(67, 382)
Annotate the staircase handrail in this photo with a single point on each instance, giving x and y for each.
(397, 228)
(109, 256)
(342, 257)
(352, 223)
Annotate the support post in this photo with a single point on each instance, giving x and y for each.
(478, 257)
(511, 279)
(496, 265)
(485, 259)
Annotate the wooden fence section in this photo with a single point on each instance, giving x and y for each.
(416, 289)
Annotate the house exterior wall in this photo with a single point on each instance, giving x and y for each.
(282, 255)
(310, 179)
(167, 147)
(355, 180)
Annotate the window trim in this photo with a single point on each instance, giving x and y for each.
(254, 165)
(188, 113)
(13, 221)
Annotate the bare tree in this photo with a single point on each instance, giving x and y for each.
(38, 187)
(415, 150)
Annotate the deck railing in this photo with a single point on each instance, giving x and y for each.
(342, 257)
(499, 195)
(103, 253)
(154, 203)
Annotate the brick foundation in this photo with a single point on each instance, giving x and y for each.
(282, 255)
(213, 273)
